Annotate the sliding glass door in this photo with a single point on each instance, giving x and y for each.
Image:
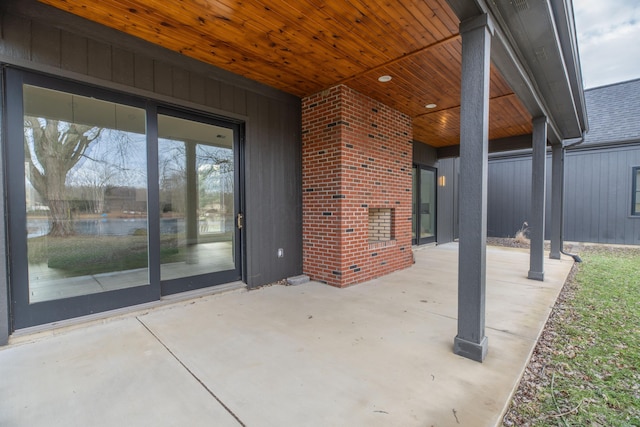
(198, 201)
(85, 169)
(424, 205)
(114, 201)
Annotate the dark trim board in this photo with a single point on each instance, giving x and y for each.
(635, 199)
(4, 270)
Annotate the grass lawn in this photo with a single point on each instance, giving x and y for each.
(81, 255)
(585, 370)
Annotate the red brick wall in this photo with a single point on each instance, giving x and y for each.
(356, 155)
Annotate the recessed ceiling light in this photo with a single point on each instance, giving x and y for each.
(430, 106)
(384, 78)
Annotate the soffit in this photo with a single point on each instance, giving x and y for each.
(303, 47)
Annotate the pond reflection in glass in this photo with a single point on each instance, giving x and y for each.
(196, 169)
(86, 194)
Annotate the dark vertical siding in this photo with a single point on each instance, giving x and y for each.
(99, 60)
(274, 219)
(123, 63)
(456, 200)
(162, 78)
(61, 44)
(509, 195)
(16, 35)
(45, 45)
(73, 53)
(425, 155)
(597, 197)
(447, 201)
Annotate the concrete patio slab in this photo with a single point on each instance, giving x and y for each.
(111, 374)
(378, 353)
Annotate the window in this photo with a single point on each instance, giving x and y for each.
(85, 183)
(196, 170)
(635, 195)
(112, 200)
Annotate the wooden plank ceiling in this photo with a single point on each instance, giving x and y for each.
(305, 46)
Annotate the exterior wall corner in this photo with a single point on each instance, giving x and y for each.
(357, 156)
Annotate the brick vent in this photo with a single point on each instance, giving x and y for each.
(356, 158)
(380, 224)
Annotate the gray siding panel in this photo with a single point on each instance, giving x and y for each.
(99, 60)
(598, 207)
(597, 198)
(273, 166)
(226, 97)
(240, 101)
(509, 196)
(73, 53)
(197, 85)
(45, 45)
(424, 154)
(445, 204)
(180, 83)
(274, 219)
(212, 94)
(16, 37)
(123, 67)
(162, 78)
(508, 200)
(143, 73)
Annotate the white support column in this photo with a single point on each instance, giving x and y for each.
(557, 190)
(471, 341)
(538, 191)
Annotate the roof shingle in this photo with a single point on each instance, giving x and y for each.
(614, 113)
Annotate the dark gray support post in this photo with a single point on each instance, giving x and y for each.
(471, 341)
(538, 189)
(557, 190)
(4, 283)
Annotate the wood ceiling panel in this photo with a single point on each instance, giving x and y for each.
(438, 129)
(302, 47)
(507, 117)
(417, 80)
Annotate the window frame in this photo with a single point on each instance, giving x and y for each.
(24, 314)
(635, 196)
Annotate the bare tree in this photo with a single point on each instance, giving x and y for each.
(52, 148)
(93, 182)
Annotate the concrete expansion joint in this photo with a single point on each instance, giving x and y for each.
(191, 373)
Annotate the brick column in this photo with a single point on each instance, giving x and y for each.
(356, 156)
